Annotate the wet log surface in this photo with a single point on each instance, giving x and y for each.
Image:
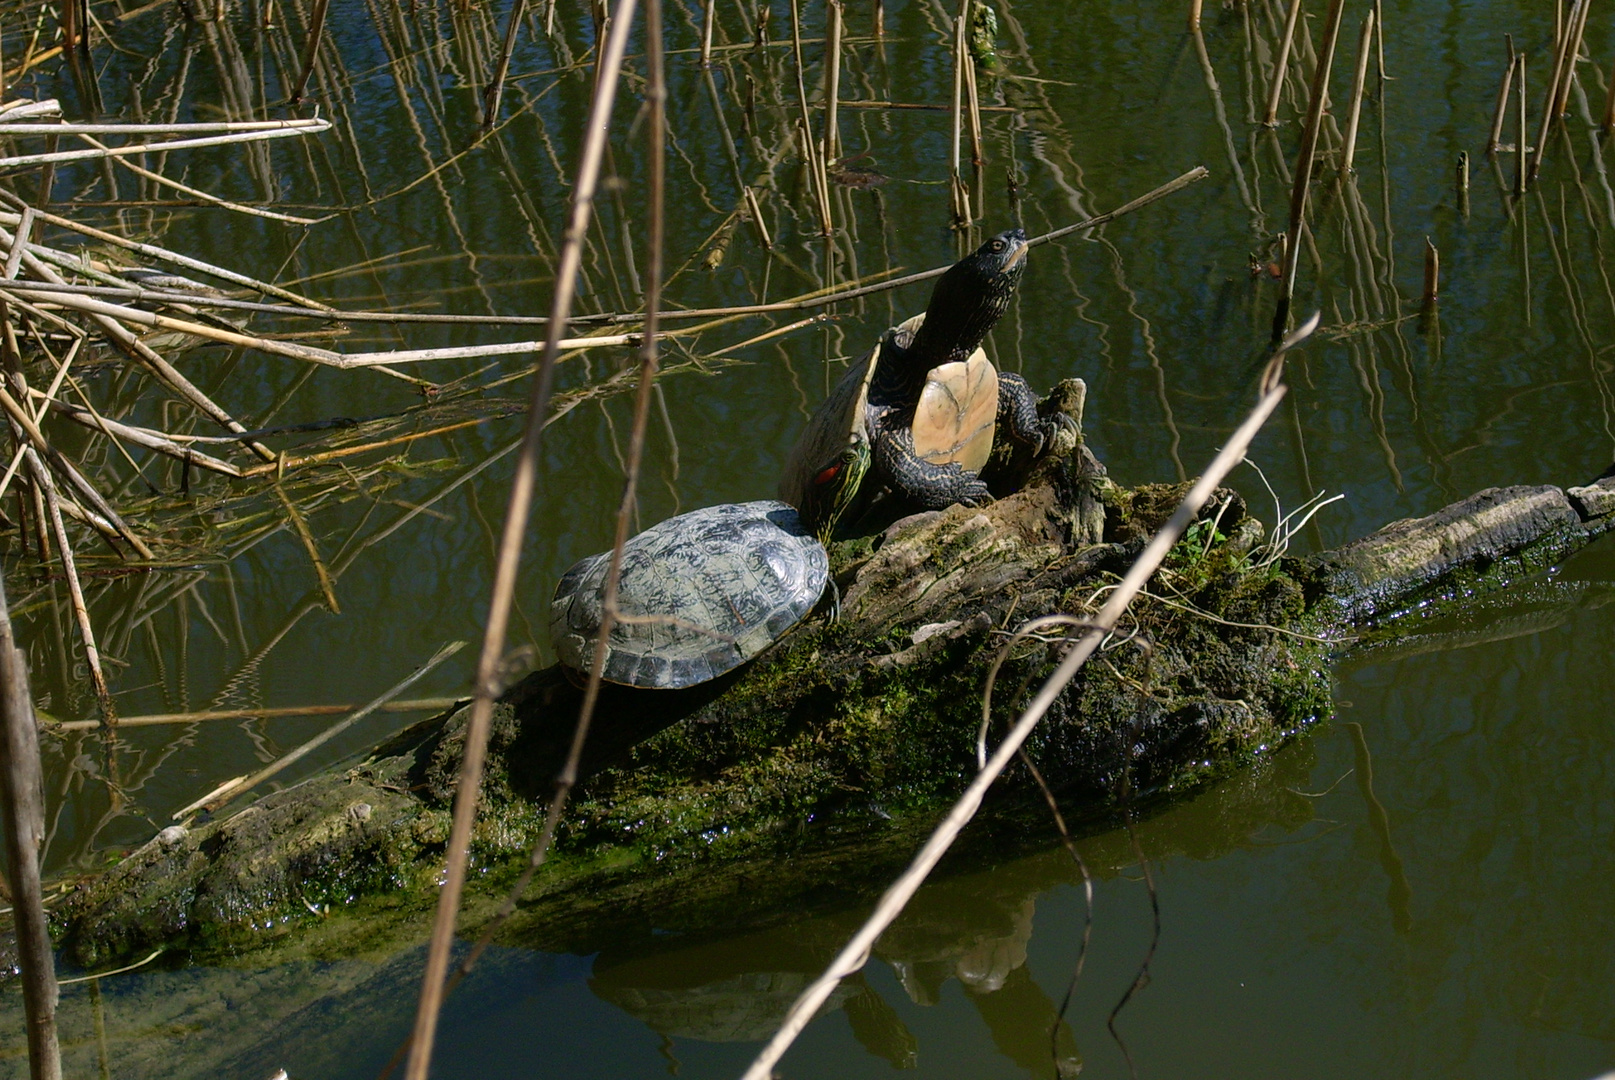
(804, 779)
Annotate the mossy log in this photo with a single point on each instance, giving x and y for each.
(806, 777)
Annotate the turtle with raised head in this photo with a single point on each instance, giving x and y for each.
(923, 409)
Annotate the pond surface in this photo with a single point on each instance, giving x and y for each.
(1420, 887)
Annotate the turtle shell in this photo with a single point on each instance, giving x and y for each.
(954, 420)
(700, 593)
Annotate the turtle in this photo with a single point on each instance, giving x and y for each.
(699, 595)
(923, 409)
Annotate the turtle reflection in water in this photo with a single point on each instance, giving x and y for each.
(925, 406)
(704, 592)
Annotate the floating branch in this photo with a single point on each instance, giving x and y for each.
(1502, 99)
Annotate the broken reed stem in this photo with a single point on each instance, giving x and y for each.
(286, 130)
(327, 589)
(215, 800)
(832, 80)
(708, 17)
(1364, 42)
(518, 509)
(22, 809)
(959, 190)
(818, 175)
(880, 19)
(1194, 15)
(978, 157)
(1561, 99)
(1432, 274)
(1282, 64)
(152, 251)
(1519, 145)
(75, 590)
(144, 437)
(856, 952)
(437, 704)
(1463, 182)
(1561, 62)
(208, 197)
(1307, 153)
(1502, 99)
(496, 85)
(316, 31)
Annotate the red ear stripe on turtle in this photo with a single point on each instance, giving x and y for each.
(828, 474)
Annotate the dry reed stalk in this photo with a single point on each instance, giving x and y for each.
(832, 80)
(7, 127)
(496, 85)
(1305, 157)
(1519, 145)
(978, 157)
(1194, 15)
(22, 807)
(1561, 97)
(1463, 182)
(818, 173)
(26, 425)
(327, 357)
(327, 588)
(216, 799)
(708, 17)
(487, 686)
(1281, 66)
(1363, 43)
(1432, 274)
(856, 952)
(152, 251)
(311, 52)
(150, 440)
(918, 107)
(208, 197)
(627, 508)
(959, 191)
(159, 719)
(1561, 62)
(880, 19)
(1502, 100)
(75, 590)
(288, 129)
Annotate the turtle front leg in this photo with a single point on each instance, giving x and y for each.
(1017, 414)
(931, 486)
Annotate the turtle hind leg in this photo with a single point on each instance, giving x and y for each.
(1018, 418)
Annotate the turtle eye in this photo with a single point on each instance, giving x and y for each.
(998, 246)
(828, 474)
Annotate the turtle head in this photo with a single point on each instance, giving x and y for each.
(971, 297)
(834, 487)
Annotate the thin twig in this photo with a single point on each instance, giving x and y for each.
(487, 685)
(1281, 66)
(216, 799)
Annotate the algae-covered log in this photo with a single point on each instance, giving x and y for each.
(837, 747)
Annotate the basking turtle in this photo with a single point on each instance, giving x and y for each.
(700, 594)
(925, 405)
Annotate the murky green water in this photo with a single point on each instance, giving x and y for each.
(1449, 917)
